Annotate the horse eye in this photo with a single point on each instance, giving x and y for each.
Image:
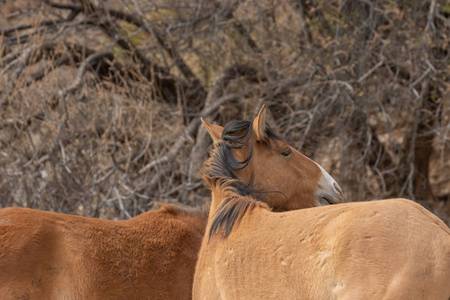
(286, 153)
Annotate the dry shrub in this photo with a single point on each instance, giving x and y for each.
(101, 101)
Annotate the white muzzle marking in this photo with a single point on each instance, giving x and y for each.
(329, 191)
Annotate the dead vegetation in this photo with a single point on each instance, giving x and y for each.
(100, 100)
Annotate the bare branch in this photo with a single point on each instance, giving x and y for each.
(140, 21)
(190, 131)
(431, 13)
(368, 73)
(82, 69)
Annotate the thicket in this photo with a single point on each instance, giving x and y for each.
(100, 100)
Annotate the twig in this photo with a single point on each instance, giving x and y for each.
(344, 83)
(82, 69)
(38, 75)
(304, 23)
(7, 31)
(141, 22)
(11, 123)
(421, 77)
(139, 155)
(63, 156)
(373, 69)
(190, 130)
(19, 60)
(122, 208)
(430, 24)
(10, 57)
(23, 60)
(64, 6)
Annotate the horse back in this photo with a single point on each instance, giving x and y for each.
(48, 255)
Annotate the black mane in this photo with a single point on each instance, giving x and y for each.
(220, 172)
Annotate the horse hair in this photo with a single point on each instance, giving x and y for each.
(219, 171)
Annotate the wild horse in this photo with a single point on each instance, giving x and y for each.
(386, 249)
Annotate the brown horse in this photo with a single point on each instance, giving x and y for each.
(47, 255)
(387, 249)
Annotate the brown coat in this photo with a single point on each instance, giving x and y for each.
(388, 249)
(46, 255)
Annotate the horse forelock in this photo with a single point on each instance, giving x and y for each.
(221, 166)
(220, 172)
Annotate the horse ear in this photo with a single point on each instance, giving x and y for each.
(215, 131)
(259, 124)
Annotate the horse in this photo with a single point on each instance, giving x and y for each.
(386, 249)
(45, 255)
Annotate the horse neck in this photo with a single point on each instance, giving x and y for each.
(217, 196)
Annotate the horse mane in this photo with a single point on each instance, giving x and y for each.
(231, 211)
(219, 172)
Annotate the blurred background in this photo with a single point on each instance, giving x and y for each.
(100, 100)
